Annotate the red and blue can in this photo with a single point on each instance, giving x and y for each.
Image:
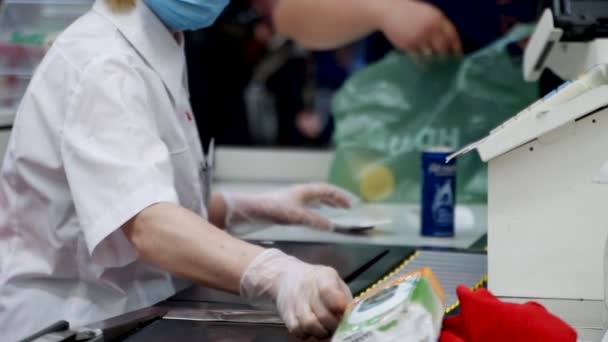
(438, 198)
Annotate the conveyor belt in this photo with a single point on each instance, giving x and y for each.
(201, 318)
(363, 268)
(451, 269)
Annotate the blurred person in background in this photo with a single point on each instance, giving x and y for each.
(261, 87)
(268, 91)
(288, 101)
(221, 60)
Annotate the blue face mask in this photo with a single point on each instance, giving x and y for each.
(182, 15)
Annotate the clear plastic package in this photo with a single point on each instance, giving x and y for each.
(407, 308)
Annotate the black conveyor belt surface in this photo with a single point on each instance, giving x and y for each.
(450, 268)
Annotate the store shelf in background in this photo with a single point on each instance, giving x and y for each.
(36, 23)
(27, 29)
(30, 26)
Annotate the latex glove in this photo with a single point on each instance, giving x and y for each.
(287, 206)
(421, 28)
(309, 298)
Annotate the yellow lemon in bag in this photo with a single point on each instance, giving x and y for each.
(376, 182)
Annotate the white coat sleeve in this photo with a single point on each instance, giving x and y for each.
(114, 158)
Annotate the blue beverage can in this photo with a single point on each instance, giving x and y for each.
(438, 198)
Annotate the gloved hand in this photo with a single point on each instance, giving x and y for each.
(309, 298)
(287, 206)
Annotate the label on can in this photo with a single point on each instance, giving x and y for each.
(438, 198)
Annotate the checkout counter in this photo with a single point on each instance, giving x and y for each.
(202, 314)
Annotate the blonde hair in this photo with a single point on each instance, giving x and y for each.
(121, 5)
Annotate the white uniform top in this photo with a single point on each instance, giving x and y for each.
(104, 131)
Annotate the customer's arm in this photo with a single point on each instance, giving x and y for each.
(183, 243)
(410, 25)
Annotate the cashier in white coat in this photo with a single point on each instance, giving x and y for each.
(101, 199)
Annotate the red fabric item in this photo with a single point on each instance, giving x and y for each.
(483, 318)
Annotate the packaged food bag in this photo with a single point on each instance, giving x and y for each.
(408, 308)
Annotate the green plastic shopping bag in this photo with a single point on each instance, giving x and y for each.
(391, 111)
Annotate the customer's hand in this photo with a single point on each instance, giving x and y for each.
(309, 298)
(288, 206)
(421, 28)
